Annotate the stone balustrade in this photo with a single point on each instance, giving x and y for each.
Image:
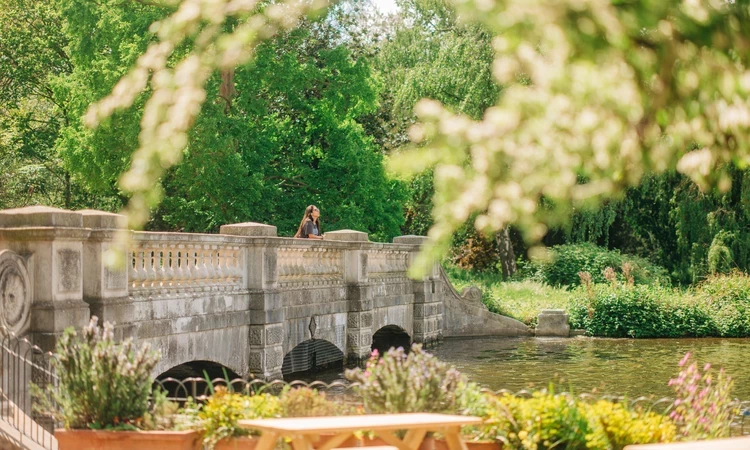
(303, 265)
(162, 263)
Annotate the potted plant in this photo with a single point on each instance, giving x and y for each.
(103, 391)
(401, 382)
(217, 419)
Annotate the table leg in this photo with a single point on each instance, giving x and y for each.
(414, 438)
(301, 443)
(267, 441)
(453, 439)
(393, 440)
(334, 441)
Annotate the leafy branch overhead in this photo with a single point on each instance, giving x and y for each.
(597, 90)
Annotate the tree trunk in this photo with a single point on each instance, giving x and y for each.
(507, 255)
(226, 90)
(67, 190)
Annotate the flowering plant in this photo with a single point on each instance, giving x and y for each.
(102, 384)
(399, 382)
(703, 406)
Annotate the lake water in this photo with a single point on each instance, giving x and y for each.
(632, 367)
(628, 367)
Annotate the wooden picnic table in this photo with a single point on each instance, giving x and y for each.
(330, 432)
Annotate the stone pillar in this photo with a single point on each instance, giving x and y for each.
(428, 305)
(48, 242)
(358, 294)
(266, 328)
(105, 288)
(552, 322)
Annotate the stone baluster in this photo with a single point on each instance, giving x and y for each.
(169, 272)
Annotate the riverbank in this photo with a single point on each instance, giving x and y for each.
(717, 307)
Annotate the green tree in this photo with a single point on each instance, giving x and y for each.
(32, 53)
(607, 91)
(433, 55)
(272, 137)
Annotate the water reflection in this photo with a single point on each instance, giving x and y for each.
(606, 366)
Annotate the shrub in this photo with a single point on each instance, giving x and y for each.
(621, 311)
(727, 297)
(102, 384)
(559, 421)
(544, 421)
(399, 382)
(703, 404)
(567, 261)
(306, 402)
(614, 426)
(218, 417)
(640, 311)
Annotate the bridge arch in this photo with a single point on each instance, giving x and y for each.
(312, 354)
(390, 336)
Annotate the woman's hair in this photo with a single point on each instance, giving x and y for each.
(305, 218)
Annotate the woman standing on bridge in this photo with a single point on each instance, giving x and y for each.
(309, 228)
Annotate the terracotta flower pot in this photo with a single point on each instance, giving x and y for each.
(440, 444)
(126, 440)
(238, 443)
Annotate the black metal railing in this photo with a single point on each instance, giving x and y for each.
(23, 365)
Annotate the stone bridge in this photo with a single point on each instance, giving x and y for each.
(246, 299)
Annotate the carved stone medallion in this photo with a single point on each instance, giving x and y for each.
(15, 292)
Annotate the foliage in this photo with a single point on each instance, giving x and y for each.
(639, 311)
(544, 421)
(606, 92)
(547, 420)
(266, 143)
(520, 299)
(162, 414)
(306, 402)
(565, 262)
(703, 405)
(102, 384)
(399, 382)
(33, 52)
(717, 307)
(217, 418)
(615, 425)
(727, 298)
(475, 251)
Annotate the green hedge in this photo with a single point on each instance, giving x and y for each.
(568, 260)
(718, 307)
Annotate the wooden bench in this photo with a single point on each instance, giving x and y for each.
(738, 443)
(330, 432)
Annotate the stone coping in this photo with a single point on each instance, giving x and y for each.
(199, 238)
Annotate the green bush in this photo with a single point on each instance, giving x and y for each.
(102, 384)
(727, 298)
(549, 421)
(567, 261)
(307, 402)
(639, 311)
(217, 418)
